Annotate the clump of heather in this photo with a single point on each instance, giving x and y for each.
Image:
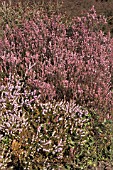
(52, 135)
(14, 12)
(62, 61)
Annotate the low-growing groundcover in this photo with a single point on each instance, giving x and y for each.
(56, 93)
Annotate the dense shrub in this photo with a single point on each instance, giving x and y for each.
(48, 68)
(51, 135)
(62, 61)
(70, 8)
(13, 12)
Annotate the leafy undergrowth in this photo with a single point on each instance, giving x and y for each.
(54, 78)
(50, 135)
(54, 135)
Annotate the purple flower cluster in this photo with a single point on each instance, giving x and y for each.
(62, 61)
(49, 72)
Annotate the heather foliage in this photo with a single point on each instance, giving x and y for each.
(62, 61)
(53, 75)
(13, 13)
(51, 135)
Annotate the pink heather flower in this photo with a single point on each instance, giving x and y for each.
(60, 61)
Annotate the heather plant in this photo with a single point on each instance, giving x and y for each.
(48, 69)
(13, 13)
(51, 135)
(62, 60)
